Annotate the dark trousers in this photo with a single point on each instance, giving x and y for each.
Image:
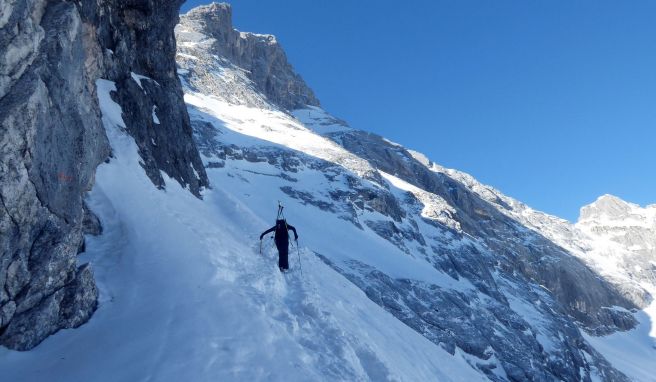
(283, 252)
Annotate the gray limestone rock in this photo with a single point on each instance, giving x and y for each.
(90, 223)
(208, 31)
(52, 140)
(50, 144)
(632, 231)
(68, 307)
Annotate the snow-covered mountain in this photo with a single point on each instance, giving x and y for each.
(397, 194)
(623, 236)
(404, 270)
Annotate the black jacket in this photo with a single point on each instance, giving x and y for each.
(281, 235)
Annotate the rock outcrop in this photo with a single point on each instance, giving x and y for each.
(138, 45)
(52, 140)
(260, 58)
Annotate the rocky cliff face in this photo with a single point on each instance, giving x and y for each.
(258, 58)
(52, 140)
(613, 238)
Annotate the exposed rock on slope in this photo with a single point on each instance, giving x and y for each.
(583, 294)
(612, 237)
(624, 223)
(52, 140)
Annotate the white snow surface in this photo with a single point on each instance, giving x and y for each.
(138, 78)
(155, 119)
(632, 352)
(273, 126)
(320, 121)
(186, 295)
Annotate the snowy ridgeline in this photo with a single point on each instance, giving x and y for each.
(405, 271)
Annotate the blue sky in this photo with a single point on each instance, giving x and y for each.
(552, 102)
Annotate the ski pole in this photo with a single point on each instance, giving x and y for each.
(298, 252)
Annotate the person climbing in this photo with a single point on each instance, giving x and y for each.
(281, 237)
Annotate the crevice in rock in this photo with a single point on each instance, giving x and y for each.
(4, 207)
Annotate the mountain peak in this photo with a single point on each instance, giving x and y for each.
(213, 19)
(611, 207)
(608, 206)
(213, 9)
(610, 197)
(206, 33)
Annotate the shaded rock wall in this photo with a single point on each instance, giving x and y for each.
(50, 144)
(52, 139)
(138, 47)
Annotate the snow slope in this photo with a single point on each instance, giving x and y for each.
(186, 295)
(632, 352)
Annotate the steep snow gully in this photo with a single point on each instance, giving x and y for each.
(410, 271)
